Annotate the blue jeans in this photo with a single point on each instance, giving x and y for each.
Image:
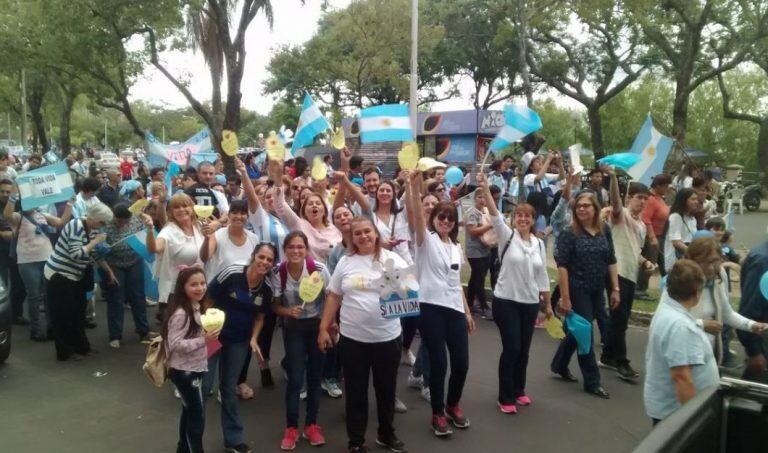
(584, 303)
(229, 360)
(192, 422)
(33, 278)
(302, 357)
(442, 328)
(130, 288)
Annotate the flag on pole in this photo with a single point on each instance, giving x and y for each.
(654, 149)
(45, 185)
(519, 121)
(138, 242)
(311, 124)
(385, 123)
(170, 173)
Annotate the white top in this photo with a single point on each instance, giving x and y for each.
(227, 253)
(269, 229)
(523, 273)
(715, 305)
(628, 239)
(32, 247)
(549, 179)
(221, 202)
(180, 249)
(396, 227)
(361, 316)
(439, 284)
(685, 183)
(680, 229)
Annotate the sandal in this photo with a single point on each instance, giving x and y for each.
(244, 391)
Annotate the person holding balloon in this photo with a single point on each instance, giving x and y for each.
(754, 305)
(299, 298)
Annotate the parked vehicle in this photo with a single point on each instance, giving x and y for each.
(731, 418)
(107, 160)
(6, 320)
(753, 194)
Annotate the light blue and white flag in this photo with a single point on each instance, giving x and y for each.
(311, 124)
(385, 123)
(159, 152)
(45, 185)
(138, 242)
(172, 170)
(519, 121)
(654, 149)
(198, 158)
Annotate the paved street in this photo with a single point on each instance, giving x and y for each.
(64, 407)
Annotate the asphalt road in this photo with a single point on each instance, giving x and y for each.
(105, 404)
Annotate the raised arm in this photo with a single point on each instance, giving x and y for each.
(419, 223)
(409, 191)
(545, 166)
(615, 195)
(353, 192)
(482, 182)
(284, 212)
(248, 190)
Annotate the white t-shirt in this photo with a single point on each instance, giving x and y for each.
(361, 316)
(179, 249)
(439, 283)
(397, 227)
(549, 179)
(523, 273)
(680, 229)
(628, 239)
(290, 296)
(227, 253)
(32, 247)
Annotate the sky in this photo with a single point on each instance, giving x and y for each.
(293, 25)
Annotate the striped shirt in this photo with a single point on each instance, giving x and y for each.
(69, 257)
(269, 229)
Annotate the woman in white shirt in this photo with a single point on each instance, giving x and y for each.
(177, 244)
(227, 246)
(391, 221)
(445, 317)
(369, 340)
(521, 291)
(681, 226)
(714, 307)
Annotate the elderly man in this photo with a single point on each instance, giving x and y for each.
(109, 194)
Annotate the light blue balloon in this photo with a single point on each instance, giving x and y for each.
(764, 285)
(454, 175)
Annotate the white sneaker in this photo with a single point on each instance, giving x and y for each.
(114, 344)
(400, 407)
(151, 302)
(408, 358)
(426, 394)
(331, 387)
(303, 393)
(415, 381)
(176, 393)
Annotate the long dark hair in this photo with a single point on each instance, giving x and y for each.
(180, 300)
(681, 201)
(393, 208)
(450, 208)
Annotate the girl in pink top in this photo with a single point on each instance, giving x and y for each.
(186, 354)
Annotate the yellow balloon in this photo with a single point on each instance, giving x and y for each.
(213, 319)
(319, 172)
(339, 141)
(139, 206)
(275, 148)
(408, 157)
(203, 211)
(229, 142)
(554, 328)
(310, 287)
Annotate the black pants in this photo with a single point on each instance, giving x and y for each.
(494, 266)
(651, 253)
(586, 304)
(265, 336)
(358, 361)
(17, 293)
(68, 316)
(192, 421)
(409, 324)
(442, 328)
(516, 322)
(476, 285)
(616, 340)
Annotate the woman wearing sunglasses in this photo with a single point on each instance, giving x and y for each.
(445, 316)
(520, 292)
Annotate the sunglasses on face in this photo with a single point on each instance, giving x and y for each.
(444, 217)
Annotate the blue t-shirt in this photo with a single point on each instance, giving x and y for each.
(675, 340)
(240, 303)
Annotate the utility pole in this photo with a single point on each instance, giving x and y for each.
(414, 65)
(105, 135)
(23, 109)
(9, 127)
(163, 134)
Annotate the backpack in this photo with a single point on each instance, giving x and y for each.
(155, 366)
(283, 271)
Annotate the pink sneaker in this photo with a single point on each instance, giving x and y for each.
(507, 408)
(524, 400)
(290, 437)
(314, 435)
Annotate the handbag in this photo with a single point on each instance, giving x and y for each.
(155, 366)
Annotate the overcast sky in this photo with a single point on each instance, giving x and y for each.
(294, 24)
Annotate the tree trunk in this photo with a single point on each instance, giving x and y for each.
(596, 131)
(762, 151)
(66, 116)
(680, 108)
(36, 96)
(522, 37)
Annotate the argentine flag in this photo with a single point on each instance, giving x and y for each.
(519, 121)
(138, 242)
(653, 149)
(385, 123)
(311, 123)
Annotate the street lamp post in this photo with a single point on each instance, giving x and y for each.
(414, 64)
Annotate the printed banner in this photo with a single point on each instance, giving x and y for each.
(398, 307)
(45, 185)
(179, 153)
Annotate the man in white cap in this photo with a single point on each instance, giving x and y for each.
(536, 178)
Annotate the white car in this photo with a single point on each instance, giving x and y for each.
(108, 160)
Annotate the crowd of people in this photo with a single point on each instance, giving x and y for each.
(244, 244)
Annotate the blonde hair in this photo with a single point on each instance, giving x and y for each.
(180, 200)
(578, 228)
(99, 212)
